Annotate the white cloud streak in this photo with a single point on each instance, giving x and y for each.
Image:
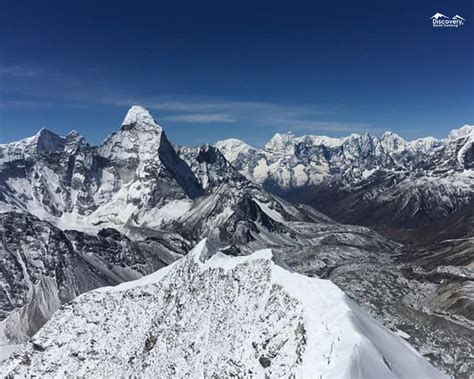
(18, 71)
(280, 117)
(24, 104)
(283, 117)
(201, 118)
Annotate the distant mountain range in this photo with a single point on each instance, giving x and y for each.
(75, 217)
(395, 186)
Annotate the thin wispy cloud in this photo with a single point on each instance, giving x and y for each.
(199, 118)
(24, 104)
(18, 71)
(332, 126)
(281, 117)
(71, 88)
(213, 105)
(37, 85)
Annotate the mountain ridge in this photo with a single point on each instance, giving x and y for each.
(140, 194)
(418, 181)
(195, 311)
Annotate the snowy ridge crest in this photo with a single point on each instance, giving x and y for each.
(226, 316)
(465, 131)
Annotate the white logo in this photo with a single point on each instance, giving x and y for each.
(441, 21)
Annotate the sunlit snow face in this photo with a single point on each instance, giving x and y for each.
(211, 314)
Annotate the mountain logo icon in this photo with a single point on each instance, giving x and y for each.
(437, 16)
(440, 20)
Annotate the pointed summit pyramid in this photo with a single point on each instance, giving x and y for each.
(141, 150)
(137, 115)
(280, 141)
(139, 138)
(46, 141)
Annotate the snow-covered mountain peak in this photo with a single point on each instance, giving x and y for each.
(425, 144)
(388, 135)
(219, 316)
(232, 142)
(323, 140)
(43, 141)
(137, 115)
(143, 153)
(73, 134)
(73, 141)
(47, 141)
(139, 137)
(354, 136)
(392, 141)
(232, 147)
(464, 131)
(280, 141)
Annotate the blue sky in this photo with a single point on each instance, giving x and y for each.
(213, 70)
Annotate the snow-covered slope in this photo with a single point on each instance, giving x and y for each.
(119, 184)
(42, 267)
(44, 141)
(364, 179)
(232, 147)
(211, 315)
